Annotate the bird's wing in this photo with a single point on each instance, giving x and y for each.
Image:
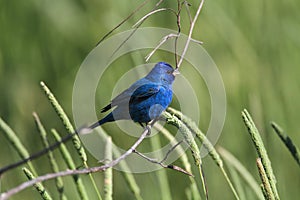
(125, 96)
(144, 92)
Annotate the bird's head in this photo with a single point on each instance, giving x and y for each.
(163, 72)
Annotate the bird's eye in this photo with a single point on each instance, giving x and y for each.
(169, 72)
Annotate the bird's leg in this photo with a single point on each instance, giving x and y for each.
(148, 127)
(142, 125)
(150, 124)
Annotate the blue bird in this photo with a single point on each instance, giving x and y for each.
(145, 99)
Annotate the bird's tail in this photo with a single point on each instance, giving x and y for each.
(107, 118)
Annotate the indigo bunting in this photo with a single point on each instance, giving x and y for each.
(145, 99)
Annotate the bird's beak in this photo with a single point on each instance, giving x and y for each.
(176, 72)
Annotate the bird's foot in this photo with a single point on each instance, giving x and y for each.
(148, 127)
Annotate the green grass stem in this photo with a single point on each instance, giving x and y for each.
(188, 194)
(200, 135)
(108, 174)
(184, 159)
(54, 166)
(129, 178)
(16, 143)
(261, 151)
(294, 150)
(266, 187)
(188, 136)
(161, 174)
(236, 179)
(66, 122)
(39, 187)
(206, 143)
(71, 165)
(244, 173)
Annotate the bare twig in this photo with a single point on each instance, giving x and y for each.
(123, 21)
(167, 37)
(162, 41)
(174, 167)
(158, 3)
(39, 179)
(166, 156)
(170, 150)
(131, 34)
(187, 7)
(190, 33)
(151, 13)
(179, 7)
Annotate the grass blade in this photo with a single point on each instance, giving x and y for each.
(266, 187)
(244, 173)
(39, 187)
(206, 143)
(17, 144)
(54, 166)
(188, 136)
(108, 175)
(66, 122)
(195, 194)
(71, 165)
(200, 135)
(161, 174)
(287, 141)
(129, 178)
(261, 151)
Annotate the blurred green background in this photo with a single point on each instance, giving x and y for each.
(255, 44)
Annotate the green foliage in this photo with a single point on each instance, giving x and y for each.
(186, 126)
(254, 43)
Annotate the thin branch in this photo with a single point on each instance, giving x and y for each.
(163, 40)
(196, 41)
(151, 13)
(190, 33)
(166, 156)
(131, 34)
(170, 151)
(158, 3)
(123, 21)
(187, 7)
(179, 7)
(174, 167)
(39, 179)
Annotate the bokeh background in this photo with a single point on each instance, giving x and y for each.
(255, 44)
